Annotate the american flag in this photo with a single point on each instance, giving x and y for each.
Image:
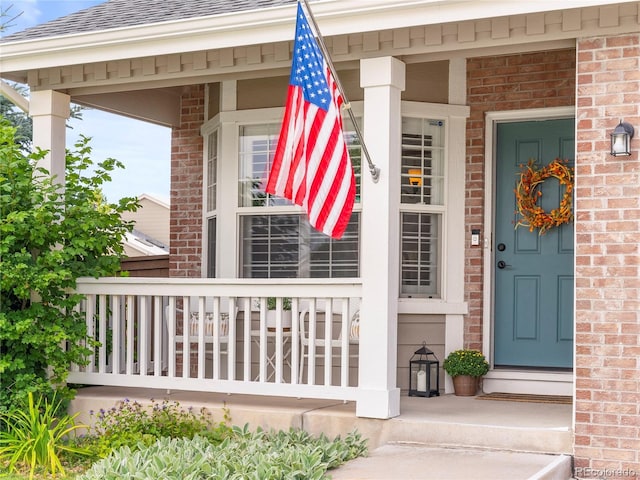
(311, 166)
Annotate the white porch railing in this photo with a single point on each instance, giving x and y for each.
(214, 335)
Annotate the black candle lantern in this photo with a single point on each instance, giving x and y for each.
(424, 378)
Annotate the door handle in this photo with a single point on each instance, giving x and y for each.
(502, 264)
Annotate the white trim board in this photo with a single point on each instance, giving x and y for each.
(529, 382)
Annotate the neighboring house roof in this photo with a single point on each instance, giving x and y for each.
(151, 226)
(128, 13)
(137, 243)
(152, 198)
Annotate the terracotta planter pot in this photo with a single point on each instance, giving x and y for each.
(465, 385)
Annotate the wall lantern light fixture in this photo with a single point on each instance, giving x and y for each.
(621, 139)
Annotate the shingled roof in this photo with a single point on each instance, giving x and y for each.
(129, 13)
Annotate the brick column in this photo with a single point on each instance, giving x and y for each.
(607, 422)
(185, 259)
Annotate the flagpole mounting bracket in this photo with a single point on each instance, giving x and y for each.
(375, 173)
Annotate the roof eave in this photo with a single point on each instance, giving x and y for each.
(257, 27)
(154, 39)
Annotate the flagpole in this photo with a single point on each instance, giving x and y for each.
(375, 171)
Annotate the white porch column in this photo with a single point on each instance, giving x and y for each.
(383, 79)
(457, 234)
(50, 111)
(228, 184)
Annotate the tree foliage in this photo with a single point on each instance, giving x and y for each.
(50, 236)
(19, 119)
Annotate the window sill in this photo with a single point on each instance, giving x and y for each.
(431, 307)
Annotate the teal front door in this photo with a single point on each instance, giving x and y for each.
(533, 297)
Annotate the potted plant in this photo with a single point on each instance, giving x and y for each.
(271, 313)
(466, 366)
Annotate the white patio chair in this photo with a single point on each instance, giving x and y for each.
(208, 325)
(336, 343)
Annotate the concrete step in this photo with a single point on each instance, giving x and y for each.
(450, 421)
(419, 462)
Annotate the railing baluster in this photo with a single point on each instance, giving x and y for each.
(201, 317)
(116, 333)
(186, 341)
(344, 344)
(216, 338)
(130, 307)
(247, 339)
(295, 344)
(279, 341)
(157, 336)
(90, 319)
(171, 327)
(263, 339)
(231, 340)
(143, 334)
(328, 341)
(311, 370)
(102, 333)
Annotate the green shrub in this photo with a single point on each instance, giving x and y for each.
(167, 458)
(36, 437)
(243, 456)
(132, 424)
(48, 238)
(466, 362)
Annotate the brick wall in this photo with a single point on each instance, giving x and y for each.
(607, 423)
(512, 82)
(186, 187)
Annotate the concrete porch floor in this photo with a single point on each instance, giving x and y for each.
(512, 439)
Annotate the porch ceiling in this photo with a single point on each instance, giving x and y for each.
(159, 105)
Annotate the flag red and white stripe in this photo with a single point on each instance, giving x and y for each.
(311, 166)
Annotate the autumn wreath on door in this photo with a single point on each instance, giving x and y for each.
(528, 193)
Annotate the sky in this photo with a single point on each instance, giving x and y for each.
(147, 161)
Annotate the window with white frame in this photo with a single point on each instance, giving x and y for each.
(276, 240)
(272, 237)
(211, 186)
(421, 206)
